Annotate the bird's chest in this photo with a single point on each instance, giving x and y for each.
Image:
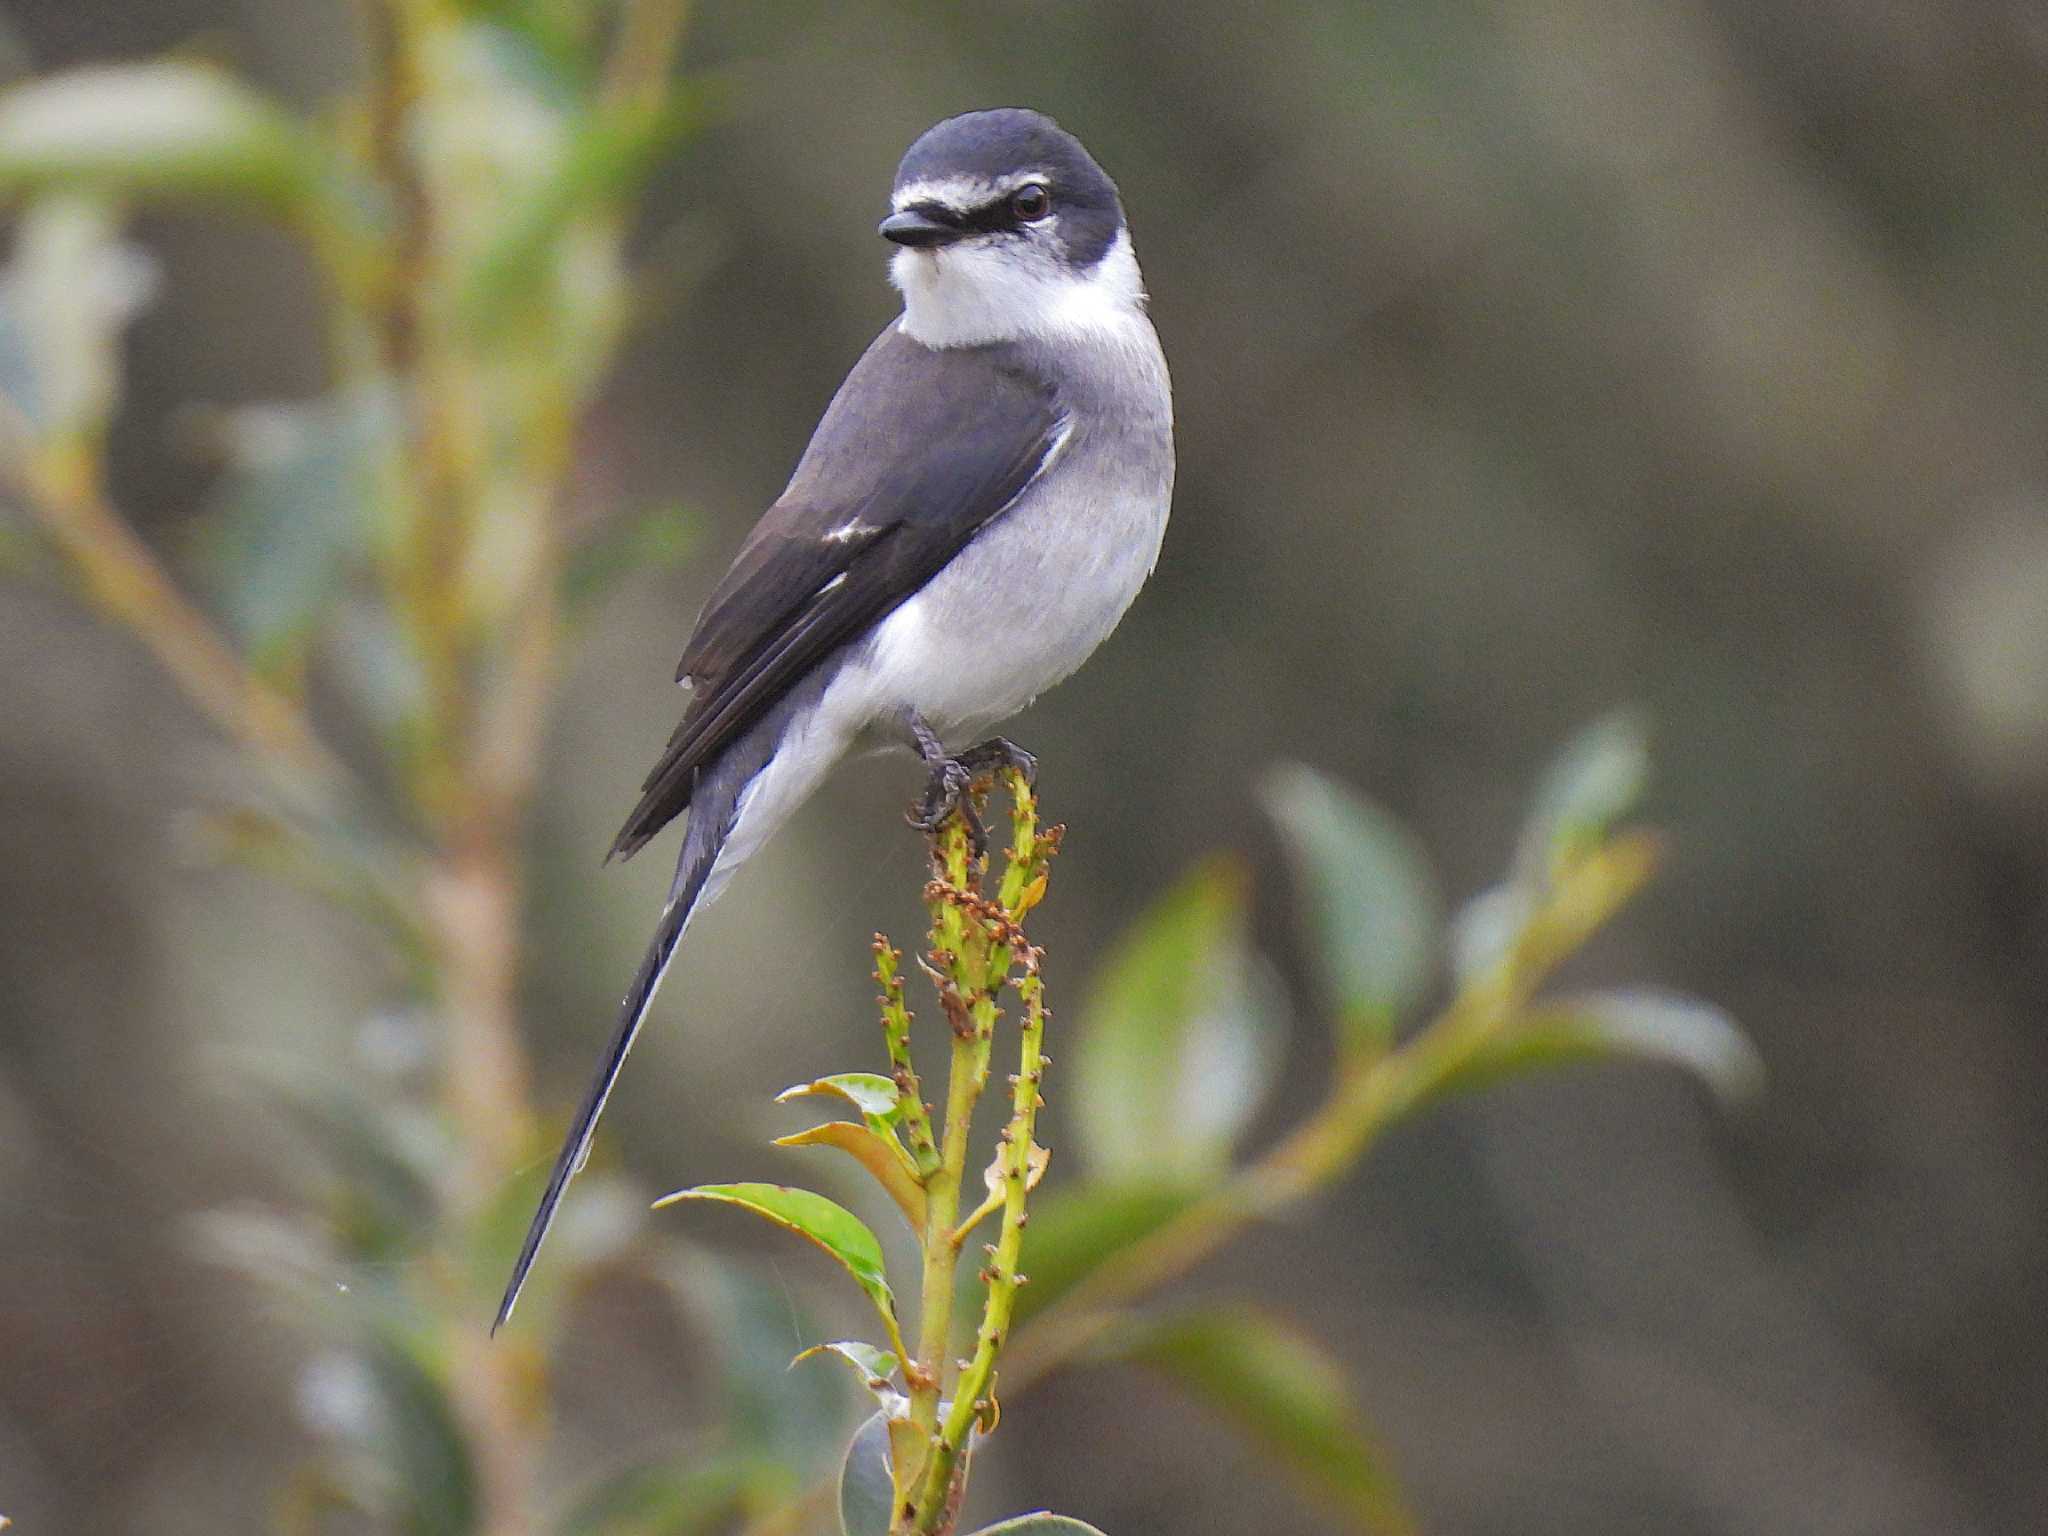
(1028, 600)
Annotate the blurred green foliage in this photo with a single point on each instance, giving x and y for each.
(465, 211)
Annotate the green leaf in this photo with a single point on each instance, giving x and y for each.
(749, 1317)
(874, 1365)
(1285, 1394)
(422, 1439)
(876, 1368)
(607, 157)
(536, 46)
(294, 1260)
(1177, 1042)
(1040, 1524)
(675, 1501)
(1073, 1230)
(831, 1226)
(1370, 897)
(381, 1158)
(69, 292)
(371, 658)
(1593, 783)
(875, 1096)
(291, 521)
(869, 1092)
(1486, 928)
(867, 1496)
(882, 1156)
(1605, 1026)
(170, 127)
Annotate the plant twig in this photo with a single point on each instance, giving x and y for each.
(952, 963)
(896, 1019)
(62, 487)
(974, 1402)
(976, 944)
(649, 35)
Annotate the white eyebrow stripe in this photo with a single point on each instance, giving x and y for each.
(960, 193)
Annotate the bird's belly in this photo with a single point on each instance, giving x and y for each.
(1017, 610)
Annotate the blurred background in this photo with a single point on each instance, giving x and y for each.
(1529, 359)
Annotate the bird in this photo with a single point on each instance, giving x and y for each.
(980, 503)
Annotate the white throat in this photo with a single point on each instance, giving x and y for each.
(978, 292)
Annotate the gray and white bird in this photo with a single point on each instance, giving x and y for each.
(981, 502)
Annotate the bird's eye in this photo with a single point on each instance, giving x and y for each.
(1031, 202)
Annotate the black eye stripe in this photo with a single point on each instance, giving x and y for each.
(991, 218)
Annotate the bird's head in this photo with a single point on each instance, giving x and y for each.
(1009, 229)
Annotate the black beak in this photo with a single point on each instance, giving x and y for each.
(921, 229)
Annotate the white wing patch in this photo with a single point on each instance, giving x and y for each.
(1062, 434)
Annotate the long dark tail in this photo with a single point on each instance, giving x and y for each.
(711, 815)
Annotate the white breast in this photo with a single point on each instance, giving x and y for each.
(1020, 608)
(1017, 610)
(1042, 586)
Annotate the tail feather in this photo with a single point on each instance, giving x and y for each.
(709, 825)
(722, 794)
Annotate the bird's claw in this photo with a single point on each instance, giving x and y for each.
(950, 789)
(996, 754)
(946, 792)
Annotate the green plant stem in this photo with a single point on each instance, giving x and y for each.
(975, 943)
(1370, 1096)
(896, 1021)
(62, 486)
(950, 963)
(467, 553)
(974, 1395)
(485, 648)
(329, 821)
(649, 35)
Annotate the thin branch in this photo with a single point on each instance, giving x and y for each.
(62, 488)
(955, 969)
(650, 35)
(896, 1021)
(976, 943)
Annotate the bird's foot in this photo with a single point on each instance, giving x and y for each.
(994, 755)
(949, 790)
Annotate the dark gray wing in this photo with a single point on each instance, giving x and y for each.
(915, 455)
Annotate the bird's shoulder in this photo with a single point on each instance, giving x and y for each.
(917, 449)
(909, 416)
